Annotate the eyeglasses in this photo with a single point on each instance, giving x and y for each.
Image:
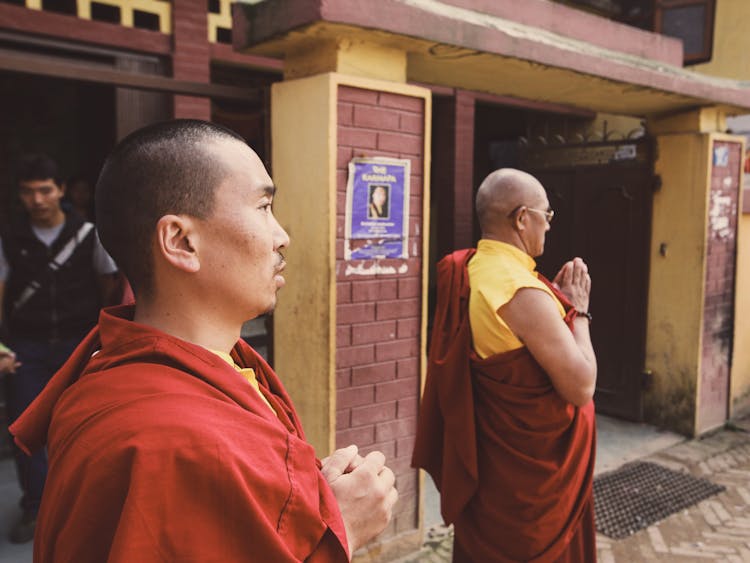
(548, 213)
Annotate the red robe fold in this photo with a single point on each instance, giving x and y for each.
(160, 451)
(513, 460)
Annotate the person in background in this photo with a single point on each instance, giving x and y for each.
(506, 426)
(170, 438)
(54, 278)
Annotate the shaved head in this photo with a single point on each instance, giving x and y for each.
(503, 191)
(170, 167)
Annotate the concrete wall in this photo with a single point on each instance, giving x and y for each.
(676, 284)
(731, 41)
(740, 376)
(303, 137)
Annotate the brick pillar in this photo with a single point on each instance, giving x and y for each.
(352, 329)
(191, 55)
(379, 307)
(718, 304)
(453, 171)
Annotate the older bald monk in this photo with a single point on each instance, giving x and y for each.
(507, 425)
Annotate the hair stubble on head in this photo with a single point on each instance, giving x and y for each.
(165, 168)
(501, 192)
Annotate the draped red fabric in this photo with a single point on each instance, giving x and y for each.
(512, 460)
(160, 451)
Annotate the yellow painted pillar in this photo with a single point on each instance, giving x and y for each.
(694, 236)
(304, 165)
(350, 335)
(740, 376)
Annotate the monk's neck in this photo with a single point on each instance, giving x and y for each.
(186, 323)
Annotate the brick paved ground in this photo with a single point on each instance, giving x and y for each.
(717, 529)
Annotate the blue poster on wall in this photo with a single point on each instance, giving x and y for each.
(377, 208)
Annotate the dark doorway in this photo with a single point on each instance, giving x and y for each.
(602, 194)
(73, 122)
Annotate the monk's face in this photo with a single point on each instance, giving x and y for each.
(241, 242)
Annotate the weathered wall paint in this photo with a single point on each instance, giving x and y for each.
(731, 41)
(676, 290)
(718, 308)
(304, 170)
(740, 375)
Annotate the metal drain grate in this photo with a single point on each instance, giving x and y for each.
(638, 494)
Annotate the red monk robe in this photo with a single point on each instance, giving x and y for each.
(513, 461)
(160, 451)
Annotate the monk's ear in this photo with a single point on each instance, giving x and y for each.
(519, 219)
(175, 237)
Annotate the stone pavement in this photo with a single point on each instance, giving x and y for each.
(716, 529)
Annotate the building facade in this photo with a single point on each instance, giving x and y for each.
(632, 146)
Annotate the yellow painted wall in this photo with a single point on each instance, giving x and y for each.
(304, 170)
(740, 375)
(675, 311)
(731, 41)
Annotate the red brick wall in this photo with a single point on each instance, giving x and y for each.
(192, 55)
(378, 315)
(718, 315)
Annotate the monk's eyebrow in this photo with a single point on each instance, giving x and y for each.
(269, 191)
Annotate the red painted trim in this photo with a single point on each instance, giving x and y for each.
(577, 24)
(293, 14)
(225, 53)
(43, 65)
(60, 26)
(268, 20)
(436, 89)
(546, 107)
(746, 200)
(463, 169)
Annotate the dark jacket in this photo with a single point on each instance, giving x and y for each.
(67, 302)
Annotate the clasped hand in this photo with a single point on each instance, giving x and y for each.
(365, 492)
(574, 281)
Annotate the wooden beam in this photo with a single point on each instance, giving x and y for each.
(545, 107)
(63, 26)
(41, 65)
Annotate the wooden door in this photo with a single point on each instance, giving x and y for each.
(603, 214)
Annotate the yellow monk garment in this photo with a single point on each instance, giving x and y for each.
(496, 272)
(247, 373)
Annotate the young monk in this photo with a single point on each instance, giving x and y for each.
(169, 438)
(506, 427)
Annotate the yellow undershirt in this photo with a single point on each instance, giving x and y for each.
(247, 373)
(496, 272)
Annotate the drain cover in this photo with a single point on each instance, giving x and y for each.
(638, 494)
